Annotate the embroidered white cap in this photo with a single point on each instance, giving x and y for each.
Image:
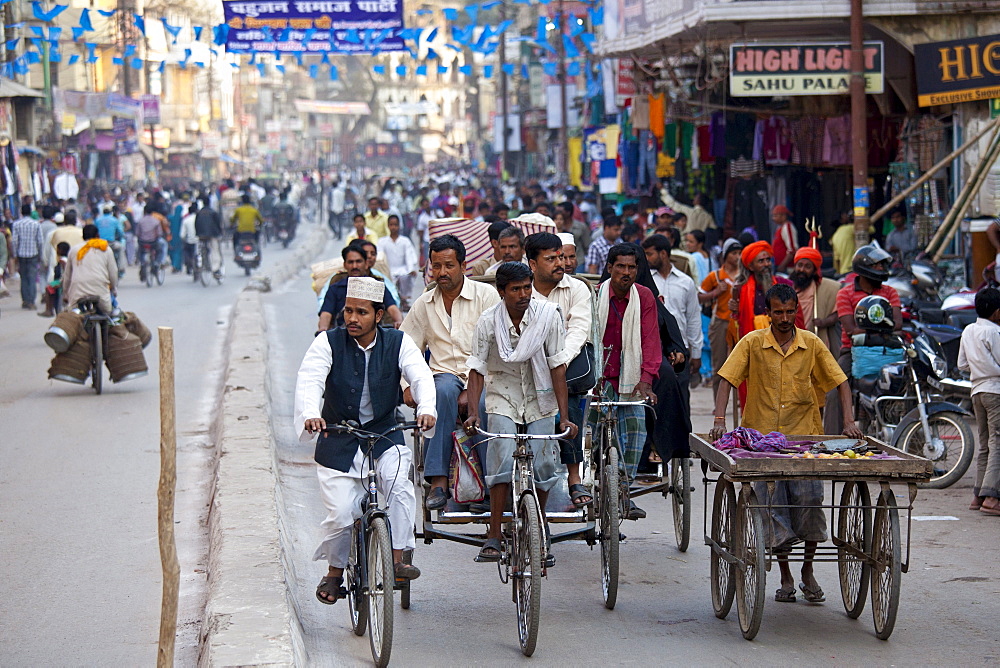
(567, 239)
(363, 287)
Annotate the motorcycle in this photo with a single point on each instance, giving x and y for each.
(907, 404)
(247, 253)
(917, 279)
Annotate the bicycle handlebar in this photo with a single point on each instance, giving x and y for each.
(621, 403)
(361, 433)
(525, 437)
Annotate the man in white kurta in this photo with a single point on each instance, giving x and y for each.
(402, 258)
(326, 392)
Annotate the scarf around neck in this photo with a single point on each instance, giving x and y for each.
(631, 363)
(99, 244)
(531, 346)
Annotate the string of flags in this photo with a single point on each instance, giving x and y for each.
(464, 33)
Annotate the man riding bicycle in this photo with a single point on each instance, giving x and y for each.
(520, 343)
(153, 228)
(208, 228)
(333, 387)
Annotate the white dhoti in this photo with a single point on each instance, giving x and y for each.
(342, 494)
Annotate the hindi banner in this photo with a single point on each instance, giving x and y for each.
(314, 26)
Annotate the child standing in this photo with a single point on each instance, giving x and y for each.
(980, 356)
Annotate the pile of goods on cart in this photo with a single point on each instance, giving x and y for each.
(120, 338)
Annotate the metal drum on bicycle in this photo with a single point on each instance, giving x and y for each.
(137, 327)
(64, 331)
(72, 366)
(125, 359)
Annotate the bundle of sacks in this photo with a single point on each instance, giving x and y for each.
(127, 336)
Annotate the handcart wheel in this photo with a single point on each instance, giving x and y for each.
(854, 527)
(750, 575)
(357, 603)
(527, 558)
(885, 575)
(609, 525)
(680, 500)
(723, 576)
(381, 580)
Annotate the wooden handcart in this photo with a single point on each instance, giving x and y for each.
(865, 537)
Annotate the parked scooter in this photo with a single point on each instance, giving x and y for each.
(906, 404)
(917, 279)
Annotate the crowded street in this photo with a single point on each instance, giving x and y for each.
(356, 332)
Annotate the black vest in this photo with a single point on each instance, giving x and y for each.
(342, 398)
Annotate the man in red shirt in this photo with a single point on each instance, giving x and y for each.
(870, 270)
(785, 240)
(627, 323)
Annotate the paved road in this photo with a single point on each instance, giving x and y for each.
(81, 582)
(462, 615)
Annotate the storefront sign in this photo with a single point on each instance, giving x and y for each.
(126, 138)
(332, 107)
(336, 26)
(626, 81)
(815, 68)
(211, 145)
(150, 109)
(960, 70)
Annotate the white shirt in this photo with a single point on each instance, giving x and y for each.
(400, 254)
(337, 197)
(188, 233)
(680, 296)
(310, 385)
(576, 302)
(979, 354)
(424, 225)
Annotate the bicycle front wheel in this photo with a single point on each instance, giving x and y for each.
(527, 558)
(610, 519)
(380, 585)
(357, 601)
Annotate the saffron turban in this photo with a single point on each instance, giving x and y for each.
(751, 252)
(810, 254)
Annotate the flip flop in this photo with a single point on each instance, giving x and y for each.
(486, 557)
(331, 586)
(812, 595)
(785, 595)
(577, 492)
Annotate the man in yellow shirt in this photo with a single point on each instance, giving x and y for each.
(784, 367)
(375, 219)
(248, 221)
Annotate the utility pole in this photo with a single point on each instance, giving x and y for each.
(503, 96)
(859, 128)
(563, 159)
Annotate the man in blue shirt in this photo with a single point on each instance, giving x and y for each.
(110, 228)
(355, 264)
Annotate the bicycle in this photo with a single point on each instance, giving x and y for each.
(95, 324)
(521, 547)
(201, 263)
(149, 268)
(369, 567)
(611, 497)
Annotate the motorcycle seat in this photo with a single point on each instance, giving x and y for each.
(866, 385)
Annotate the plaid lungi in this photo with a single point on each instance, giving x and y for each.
(631, 428)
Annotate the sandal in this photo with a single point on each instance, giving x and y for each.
(331, 586)
(785, 595)
(812, 595)
(578, 492)
(490, 551)
(437, 499)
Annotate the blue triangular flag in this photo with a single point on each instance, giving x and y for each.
(114, 61)
(449, 13)
(136, 63)
(261, 69)
(588, 40)
(129, 50)
(575, 28)
(77, 33)
(490, 5)
(488, 71)
(163, 65)
(73, 59)
(313, 71)
(423, 12)
(38, 30)
(200, 64)
(442, 69)
(466, 70)
(12, 43)
(140, 23)
(308, 35)
(298, 58)
(47, 16)
(524, 71)
(541, 35)
(431, 35)
(573, 69)
(352, 36)
(283, 35)
(421, 70)
(253, 59)
(107, 13)
(550, 69)
(431, 54)
(400, 70)
(55, 56)
(596, 16)
(280, 68)
(220, 33)
(472, 11)
(570, 47)
(173, 30)
(325, 59)
(378, 69)
(508, 69)
(197, 32)
(85, 20)
(334, 75)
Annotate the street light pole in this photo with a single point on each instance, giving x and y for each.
(563, 150)
(859, 128)
(503, 96)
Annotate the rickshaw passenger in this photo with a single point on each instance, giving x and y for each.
(544, 252)
(442, 320)
(520, 343)
(781, 366)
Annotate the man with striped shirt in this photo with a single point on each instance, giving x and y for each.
(26, 235)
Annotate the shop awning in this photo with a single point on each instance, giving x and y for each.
(10, 88)
(225, 157)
